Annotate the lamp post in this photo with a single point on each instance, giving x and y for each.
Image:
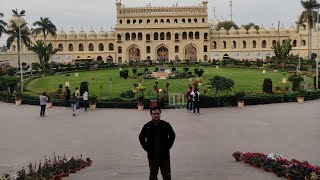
(15, 12)
(317, 60)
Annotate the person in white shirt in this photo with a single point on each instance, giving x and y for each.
(77, 93)
(196, 98)
(85, 100)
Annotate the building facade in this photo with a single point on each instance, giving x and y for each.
(163, 34)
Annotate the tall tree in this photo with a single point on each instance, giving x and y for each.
(282, 52)
(13, 33)
(2, 25)
(310, 16)
(44, 53)
(227, 25)
(45, 26)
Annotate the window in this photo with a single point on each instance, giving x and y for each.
(190, 35)
(111, 47)
(156, 21)
(133, 36)
(162, 36)
(119, 49)
(119, 60)
(303, 43)
(148, 37)
(176, 36)
(140, 21)
(274, 43)
(168, 36)
(127, 37)
(203, 20)
(156, 36)
(148, 21)
(120, 21)
(176, 49)
(101, 47)
(91, 47)
(294, 44)
(168, 20)
(205, 36)
(139, 36)
(80, 47)
(128, 21)
(183, 21)
(254, 44)
(148, 49)
(175, 20)
(184, 35)
(70, 48)
(189, 20)
(119, 37)
(60, 46)
(195, 20)
(214, 45)
(234, 44)
(264, 44)
(244, 44)
(161, 21)
(134, 21)
(205, 58)
(197, 35)
(224, 45)
(205, 48)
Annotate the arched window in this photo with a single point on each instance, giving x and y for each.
(111, 47)
(156, 21)
(254, 44)
(80, 48)
(162, 36)
(203, 20)
(119, 37)
(168, 20)
(303, 43)
(161, 21)
(205, 36)
(176, 49)
(205, 48)
(120, 21)
(128, 21)
(189, 20)
(205, 58)
(244, 44)
(91, 47)
(274, 43)
(234, 44)
(134, 21)
(148, 37)
(119, 60)
(101, 47)
(60, 47)
(140, 21)
(148, 49)
(195, 20)
(283, 41)
(176, 36)
(294, 44)
(127, 37)
(190, 35)
(156, 36)
(197, 35)
(133, 36)
(183, 21)
(14, 47)
(119, 49)
(70, 48)
(224, 45)
(175, 20)
(140, 36)
(214, 45)
(264, 44)
(184, 35)
(148, 21)
(168, 36)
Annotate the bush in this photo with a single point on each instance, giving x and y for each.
(83, 87)
(296, 84)
(186, 69)
(134, 70)
(174, 69)
(314, 82)
(200, 72)
(125, 74)
(196, 70)
(128, 94)
(267, 85)
(156, 69)
(146, 69)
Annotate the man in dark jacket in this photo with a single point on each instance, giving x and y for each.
(156, 138)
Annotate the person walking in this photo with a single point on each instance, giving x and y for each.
(189, 100)
(77, 92)
(73, 101)
(67, 96)
(157, 138)
(43, 104)
(196, 98)
(85, 99)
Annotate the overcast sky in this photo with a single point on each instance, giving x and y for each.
(101, 13)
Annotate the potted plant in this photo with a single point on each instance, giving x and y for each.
(93, 101)
(18, 98)
(239, 96)
(300, 97)
(49, 102)
(135, 85)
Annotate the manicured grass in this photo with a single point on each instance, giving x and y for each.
(249, 80)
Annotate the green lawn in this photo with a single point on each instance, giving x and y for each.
(249, 80)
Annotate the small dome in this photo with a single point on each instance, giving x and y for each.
(232, 31)
(252, 30)
(262, 30)
(61, 34)
(283, 30)
(292, 29)
(272, 30)
(242, 30)
(213, 32)
(223, 31)
(17, 20)
(92, 34)
(82, 34)
(102, 34)
(72, 34)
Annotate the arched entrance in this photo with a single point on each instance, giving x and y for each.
(226, 57)
(134, 54)
(191, 53)
(99, 58)
(110, 59)
(162, 54)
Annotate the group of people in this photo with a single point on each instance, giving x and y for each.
(193, 99)
(72, 101)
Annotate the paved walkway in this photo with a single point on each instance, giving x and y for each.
(202, 150)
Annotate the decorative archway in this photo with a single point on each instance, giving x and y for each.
(134, 54)
(190, 53)
(110, 58)
(162, 53)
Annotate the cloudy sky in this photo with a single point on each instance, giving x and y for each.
(101, 13)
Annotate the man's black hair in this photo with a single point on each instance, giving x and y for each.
(155, 108)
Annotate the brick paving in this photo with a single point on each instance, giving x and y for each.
(202, 149)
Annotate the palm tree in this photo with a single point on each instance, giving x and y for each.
(310, 16)
(43, 52)
(282, 52)
(45, 26)
(13, 33)
(2, 25)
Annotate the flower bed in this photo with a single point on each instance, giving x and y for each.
(293, 169)
(51, 168)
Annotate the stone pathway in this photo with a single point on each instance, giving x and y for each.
(202, 150)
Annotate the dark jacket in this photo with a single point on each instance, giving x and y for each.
(167, 137)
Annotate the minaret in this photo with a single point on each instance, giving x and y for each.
(230, 11)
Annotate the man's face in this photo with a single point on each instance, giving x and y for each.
(155, 115)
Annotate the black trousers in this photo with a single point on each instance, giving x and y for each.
(189, 105)
(196, 106)
(164, 166)
(67, 102)
(43, 110)
(85, 104)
